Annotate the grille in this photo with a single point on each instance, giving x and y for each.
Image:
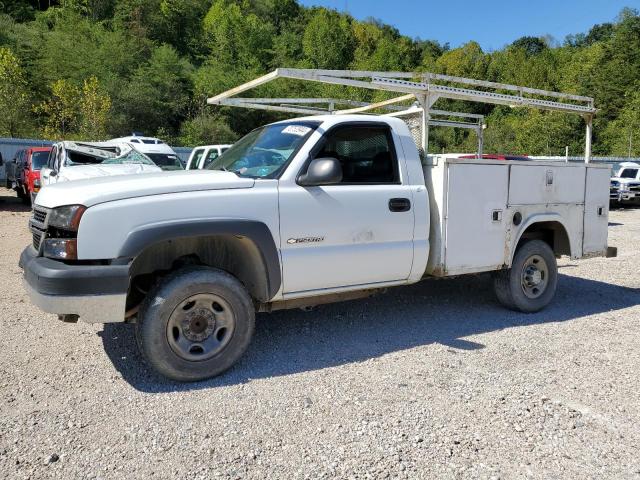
(37, 238)
(39, 214)
(38, 225)
(635, 188)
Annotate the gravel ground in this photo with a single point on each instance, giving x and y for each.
(430, 380)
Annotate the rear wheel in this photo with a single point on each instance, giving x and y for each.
(530, 284)
(195, 324)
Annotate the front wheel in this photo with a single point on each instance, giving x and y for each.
(530, 284)
(195, 324)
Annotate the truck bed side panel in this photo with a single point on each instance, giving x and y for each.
(475, 233)
(596, 211)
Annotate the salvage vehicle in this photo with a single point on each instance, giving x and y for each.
(201, 157)
(625, 184)
(24, 176)
(157, 150)
(81, 160)
(312, 210)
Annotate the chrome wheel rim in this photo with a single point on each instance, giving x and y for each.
(535, 276)
(200, 327)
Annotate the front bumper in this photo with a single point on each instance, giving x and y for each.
(95, 293)
(624, 196)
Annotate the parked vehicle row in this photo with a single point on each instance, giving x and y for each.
(23, 172)
(70, 160)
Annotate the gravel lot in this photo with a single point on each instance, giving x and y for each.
(430, 380)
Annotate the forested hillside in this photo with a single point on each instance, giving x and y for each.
(94, 69)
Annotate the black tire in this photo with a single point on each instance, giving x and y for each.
(166, 328)
(515, 287)
(26, 198)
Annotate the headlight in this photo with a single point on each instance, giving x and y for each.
(67, 218)
(62, 248)
(36, 182)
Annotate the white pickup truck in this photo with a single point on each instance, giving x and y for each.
(202, 156)
(625, 184)
(300, 213)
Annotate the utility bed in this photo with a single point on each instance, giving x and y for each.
(478, 206)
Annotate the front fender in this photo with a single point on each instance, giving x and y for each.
(149, 235)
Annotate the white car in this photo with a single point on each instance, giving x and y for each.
(81, 160)
(201, 157)
(157, 150)
(299, 213)
(625, 184)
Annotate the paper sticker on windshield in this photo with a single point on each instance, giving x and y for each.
(299, 130)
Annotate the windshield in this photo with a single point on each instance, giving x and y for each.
(264, 152)
(132, 157)
(629, 173)
(166, 161)
(39, 160)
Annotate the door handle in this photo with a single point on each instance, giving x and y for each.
(399, 205)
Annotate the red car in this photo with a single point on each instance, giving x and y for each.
(24, 177)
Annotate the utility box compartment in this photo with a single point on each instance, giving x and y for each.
(475, 228)
(596, 212)
(546, 184)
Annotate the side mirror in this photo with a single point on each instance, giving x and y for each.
(53, 173)
(322, 171)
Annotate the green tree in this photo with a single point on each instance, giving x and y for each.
(14, 95)
(466, 61)
(95, 105)
(61, 110)
(206, 129)
(328, 40)
(182, 23)
(622, 135)
(158, 94)
(21, 10)
(236, 37)
(531, 45)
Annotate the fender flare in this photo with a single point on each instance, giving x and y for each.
(140, 239)
(539, 218)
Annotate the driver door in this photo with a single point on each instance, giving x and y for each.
(352, 233)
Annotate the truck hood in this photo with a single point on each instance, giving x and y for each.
(106, 189)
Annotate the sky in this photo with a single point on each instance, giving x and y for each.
(491, 23)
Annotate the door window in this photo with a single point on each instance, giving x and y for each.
(211, 156)
(52, 155)
(366, 153)
(195, 161)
